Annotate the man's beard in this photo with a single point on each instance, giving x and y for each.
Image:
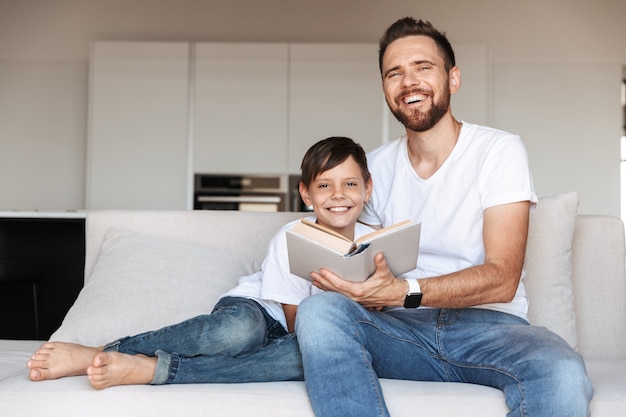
(419, 121)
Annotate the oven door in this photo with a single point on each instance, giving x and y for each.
(240, 202)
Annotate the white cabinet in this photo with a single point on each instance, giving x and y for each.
(137, 142)
(160, 112)
(240, 115)
(334, 90)
(259, 107)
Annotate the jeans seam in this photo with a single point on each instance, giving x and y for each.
(402, 339)
(518, 382)
(373, 377)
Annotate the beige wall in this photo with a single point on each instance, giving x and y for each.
(523, 31)
(42, 148)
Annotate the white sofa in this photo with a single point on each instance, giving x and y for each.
(145, 269)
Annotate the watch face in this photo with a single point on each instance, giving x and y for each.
(413, 300)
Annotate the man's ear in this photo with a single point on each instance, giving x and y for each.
(304, 193)
(455, 79)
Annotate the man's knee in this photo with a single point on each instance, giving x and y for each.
(321, 307)
(320, 315)
(562, 386)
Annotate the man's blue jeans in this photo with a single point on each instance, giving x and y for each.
(237, 342)
(346, 348)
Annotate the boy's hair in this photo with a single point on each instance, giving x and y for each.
(408, 26)
(330, 152)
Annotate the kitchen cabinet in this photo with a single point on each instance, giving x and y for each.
(160, 112)
(137, 148)
(240, 114)
(259, 107)
(334, 90)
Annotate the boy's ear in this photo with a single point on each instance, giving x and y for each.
(368, 190)
(304, 193)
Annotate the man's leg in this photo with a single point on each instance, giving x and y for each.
(539, 373)
(346, 348)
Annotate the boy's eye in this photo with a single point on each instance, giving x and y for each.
(352, 184)
(322, 185)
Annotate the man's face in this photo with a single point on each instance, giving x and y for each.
(415, 82)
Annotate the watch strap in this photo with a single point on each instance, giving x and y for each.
(413, 297)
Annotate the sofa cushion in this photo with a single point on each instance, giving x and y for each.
(142, 283)
(548, 265)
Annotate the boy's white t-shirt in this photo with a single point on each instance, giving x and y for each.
(274, 285)
(487, 167)
(278, 283)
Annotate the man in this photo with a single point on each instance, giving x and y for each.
(471, 188)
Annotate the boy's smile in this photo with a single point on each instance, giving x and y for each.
(337, 196)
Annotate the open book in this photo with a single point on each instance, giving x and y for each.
(312, 247)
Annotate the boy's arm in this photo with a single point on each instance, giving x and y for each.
(290, 316)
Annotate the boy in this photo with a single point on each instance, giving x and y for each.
(249, 336)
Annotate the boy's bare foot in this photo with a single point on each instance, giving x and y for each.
(59, 359)
(113, 368)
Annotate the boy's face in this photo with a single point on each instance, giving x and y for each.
(337, 196)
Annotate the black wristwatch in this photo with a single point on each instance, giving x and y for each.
(413, 298)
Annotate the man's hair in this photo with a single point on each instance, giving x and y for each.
(408, 26)
(330, 152)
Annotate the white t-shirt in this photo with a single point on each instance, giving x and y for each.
(278, 283)
(487, 167)
(274, 285)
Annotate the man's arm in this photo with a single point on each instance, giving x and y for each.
(505, 229)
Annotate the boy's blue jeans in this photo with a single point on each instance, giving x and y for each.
(237, 342)
(346, 348)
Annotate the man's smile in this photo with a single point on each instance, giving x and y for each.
(415, 98)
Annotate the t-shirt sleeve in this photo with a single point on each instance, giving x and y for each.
(506, 177)
(278, 283)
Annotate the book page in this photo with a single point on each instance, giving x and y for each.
(333, 241)
(324, 229)
(373, 235)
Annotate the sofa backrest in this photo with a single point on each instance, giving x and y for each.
(597, 248)
(599, 286)
(244, 232)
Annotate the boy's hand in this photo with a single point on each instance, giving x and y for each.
(380, 290)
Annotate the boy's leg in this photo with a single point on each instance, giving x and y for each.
(237, 342)
(235, 327)
(279, 360)
(60, 359)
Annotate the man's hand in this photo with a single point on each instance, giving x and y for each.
(380, 290)
(505, 229)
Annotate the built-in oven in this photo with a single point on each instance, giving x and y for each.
(241, 192)
(295, 200)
